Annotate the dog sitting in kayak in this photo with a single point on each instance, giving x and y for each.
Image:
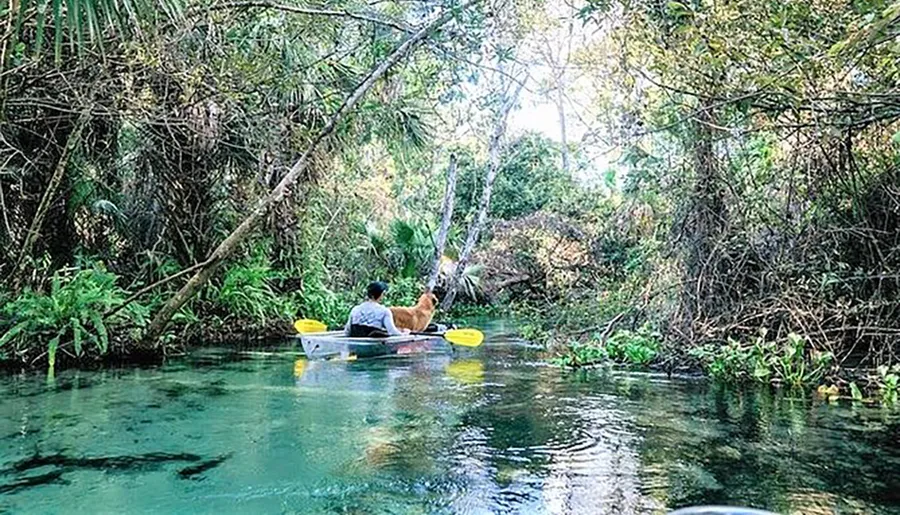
(371, 319)
(417, 318)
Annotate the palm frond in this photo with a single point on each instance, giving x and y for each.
(87, 23)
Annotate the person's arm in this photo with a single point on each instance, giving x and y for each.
(389, 324)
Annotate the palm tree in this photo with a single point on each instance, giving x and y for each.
(84, 24)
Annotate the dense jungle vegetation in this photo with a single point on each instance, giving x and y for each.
(720, 190)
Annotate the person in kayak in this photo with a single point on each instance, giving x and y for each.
(371, 319)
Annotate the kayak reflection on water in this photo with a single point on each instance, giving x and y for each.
(719, 510)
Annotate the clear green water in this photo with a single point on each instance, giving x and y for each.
(484, 431)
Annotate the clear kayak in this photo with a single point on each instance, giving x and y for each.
(333, 344)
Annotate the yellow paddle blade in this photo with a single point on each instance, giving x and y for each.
(309, 326)
(464, 337)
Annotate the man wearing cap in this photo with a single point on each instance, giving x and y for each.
(371, 318)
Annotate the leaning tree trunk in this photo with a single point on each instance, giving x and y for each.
(494, 148)
(230, 243)
(446, 218)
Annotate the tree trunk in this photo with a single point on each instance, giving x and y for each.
(704, 225)
(446, 218)
(230, 243)
(494, 147)
(43, 208)
(561, 111)
(561, 98)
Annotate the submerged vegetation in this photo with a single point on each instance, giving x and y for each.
(716, 192)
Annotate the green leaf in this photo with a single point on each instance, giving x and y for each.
(41, 21)
(20, 18)
(52, 347)
(73, 19)
(855, 392)
(13, 332)
(101, 332)
(76, 336)
(90, 18)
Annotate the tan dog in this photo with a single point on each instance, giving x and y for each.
(416, 318)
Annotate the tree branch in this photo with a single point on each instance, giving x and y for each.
(227, 247)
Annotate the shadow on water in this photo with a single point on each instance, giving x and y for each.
(490, 430)
(61, 463)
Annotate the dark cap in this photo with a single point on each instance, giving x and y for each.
(376, 289)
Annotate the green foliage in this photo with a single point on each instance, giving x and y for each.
(403, 291)
(69, 316)
(319, 302)
(635, 347)
(533, 332)
(792, 362)
(888, 381)
(414, 244)
(638, 348)
(855, 392)
(245, 293)
(84, 22)
(529, 181)
(581, 354)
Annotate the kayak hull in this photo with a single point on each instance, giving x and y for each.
(333, 344)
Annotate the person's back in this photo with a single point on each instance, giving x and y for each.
(371, 319)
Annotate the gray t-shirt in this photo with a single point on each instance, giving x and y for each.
(372, 314)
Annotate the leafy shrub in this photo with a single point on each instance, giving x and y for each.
(414, 244)
(403, 291)
(581, 354)
(246, 292)
(70, 313)
(632, 347)
(318, 302)
(636, 347)
(533, 333)
(762, 360)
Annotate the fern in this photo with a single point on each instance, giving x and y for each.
(69, 313)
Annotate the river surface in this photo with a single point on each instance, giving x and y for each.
(488, 430)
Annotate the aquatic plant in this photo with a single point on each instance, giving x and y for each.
(634, 347)
(792, 361)
(533, 332)
(581, 354)
(637, 348)
(888, 381)
(885, 382)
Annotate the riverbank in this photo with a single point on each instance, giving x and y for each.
(790, 361)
